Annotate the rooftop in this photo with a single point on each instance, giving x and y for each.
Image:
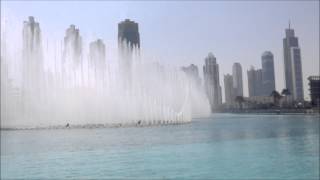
(314, 78)
(267, 53)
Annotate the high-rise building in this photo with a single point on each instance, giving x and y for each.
(98, 57)
(72, 46)
(211, 81)
(32, 67)
(255, 82)
(31, 37)
(219, 95)
(128, 32)
(128, 45)
(292, 65)
(237, 79)
(228, 89)
(314, 83)
(268, 80)
(193, 74)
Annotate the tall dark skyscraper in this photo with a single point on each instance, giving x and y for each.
(128, 43)
(255, 82)
(128, 32)
(268, 81)
(314, 84)
(211, 81)
(292, 65)
(237, 79)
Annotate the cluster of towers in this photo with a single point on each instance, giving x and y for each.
(261, 82)
(233, 83)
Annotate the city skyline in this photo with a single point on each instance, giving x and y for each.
(159, 90)
(260, 82)
(225, 61)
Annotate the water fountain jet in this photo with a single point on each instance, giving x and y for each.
(83, 90)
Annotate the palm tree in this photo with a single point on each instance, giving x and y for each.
(276, 97)
(240, 100)
(286, 92)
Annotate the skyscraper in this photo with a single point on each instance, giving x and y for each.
(32, 67)
(193, 74)
(255, 82)
(31, 37)
(228, 89)
(211, 81)
(128, 45)
(98, 57)
(292, 65)
(72, 46)
(314, 84)
(128, 32)
(268, 81)
(237, 79)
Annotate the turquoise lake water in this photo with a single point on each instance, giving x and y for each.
(224, 146)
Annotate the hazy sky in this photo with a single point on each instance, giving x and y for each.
(184, 32)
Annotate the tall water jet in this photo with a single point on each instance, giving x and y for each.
(72, 55)
(98, 59)
(212, 82)
(81, 87)
(128, 47)
(33, 89)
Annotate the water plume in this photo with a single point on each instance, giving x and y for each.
(67, 83)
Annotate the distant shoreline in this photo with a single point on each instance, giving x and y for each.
(274, 111)
(166, 123)
(96, 126)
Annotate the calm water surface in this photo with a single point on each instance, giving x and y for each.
(220, 147)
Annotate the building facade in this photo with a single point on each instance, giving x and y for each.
(192, 73)
(255, 82)
(228, 89)
(211, 81)
(72, 47)
(128, 33)
(97, 53)
(128, 46)
(259, 100)
(32, 62)
(292, 65)
(237, 79)
(314, 84)
(268, 79)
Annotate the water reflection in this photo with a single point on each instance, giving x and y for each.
(222, 146)
(259, 126)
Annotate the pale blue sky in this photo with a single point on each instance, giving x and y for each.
(184, 32)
